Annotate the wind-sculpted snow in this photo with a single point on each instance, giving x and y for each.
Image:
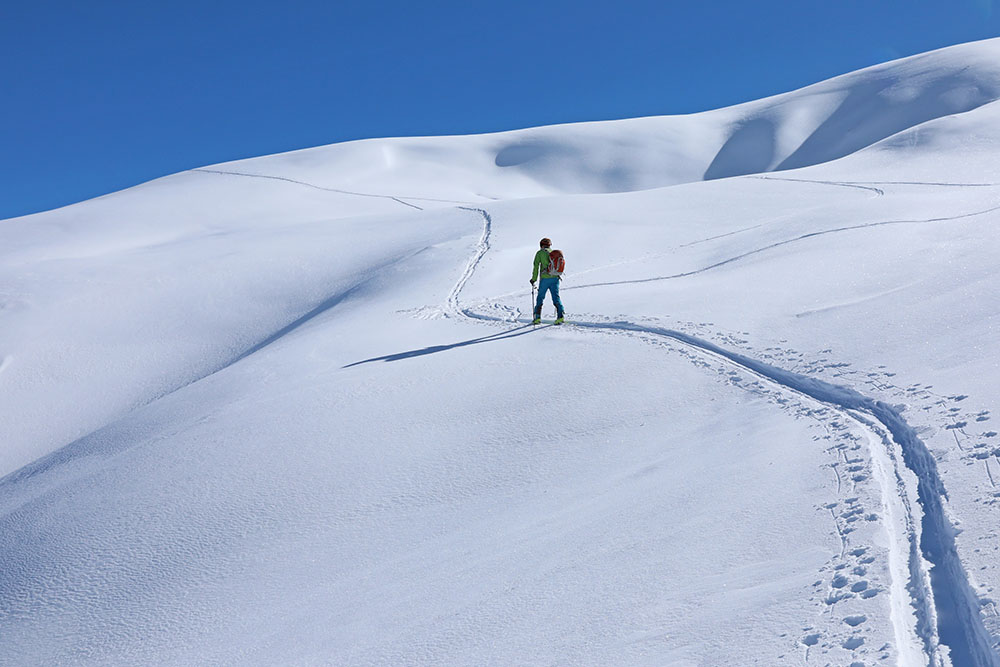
(814, 125)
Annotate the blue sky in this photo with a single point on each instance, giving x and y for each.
(97, 96)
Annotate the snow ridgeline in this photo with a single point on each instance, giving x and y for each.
(814, 125)
(946, 606)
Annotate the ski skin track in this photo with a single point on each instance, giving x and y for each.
(946, 606)
(900, 526)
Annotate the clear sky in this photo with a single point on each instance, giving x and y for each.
(99, 95)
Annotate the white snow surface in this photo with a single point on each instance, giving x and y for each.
(289, 410)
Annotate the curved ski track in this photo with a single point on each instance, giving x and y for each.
(946, 606)
(772, 246)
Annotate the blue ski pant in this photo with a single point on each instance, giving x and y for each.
(548, 285)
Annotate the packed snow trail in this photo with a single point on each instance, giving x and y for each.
(951, 604)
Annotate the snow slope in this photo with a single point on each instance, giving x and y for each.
(287, 410)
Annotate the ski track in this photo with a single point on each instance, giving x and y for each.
(482, 247)
(931, 183)
(870, 185)
(946, 606)
(399, 200)
(797, 239)
(842, 184)
(690, 244)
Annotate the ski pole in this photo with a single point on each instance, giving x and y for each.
(532, 299)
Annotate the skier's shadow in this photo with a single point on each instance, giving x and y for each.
(502, 335)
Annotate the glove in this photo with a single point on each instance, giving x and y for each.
(532, 282)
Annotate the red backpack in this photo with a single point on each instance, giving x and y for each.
(557, 263)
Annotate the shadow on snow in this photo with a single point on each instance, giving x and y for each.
(502, 335)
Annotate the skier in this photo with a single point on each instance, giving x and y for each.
(549, 283)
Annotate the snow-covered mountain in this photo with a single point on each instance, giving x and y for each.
(288, 410)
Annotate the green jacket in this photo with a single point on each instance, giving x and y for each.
(541, 264)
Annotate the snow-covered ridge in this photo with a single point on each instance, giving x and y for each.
(813, 125)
